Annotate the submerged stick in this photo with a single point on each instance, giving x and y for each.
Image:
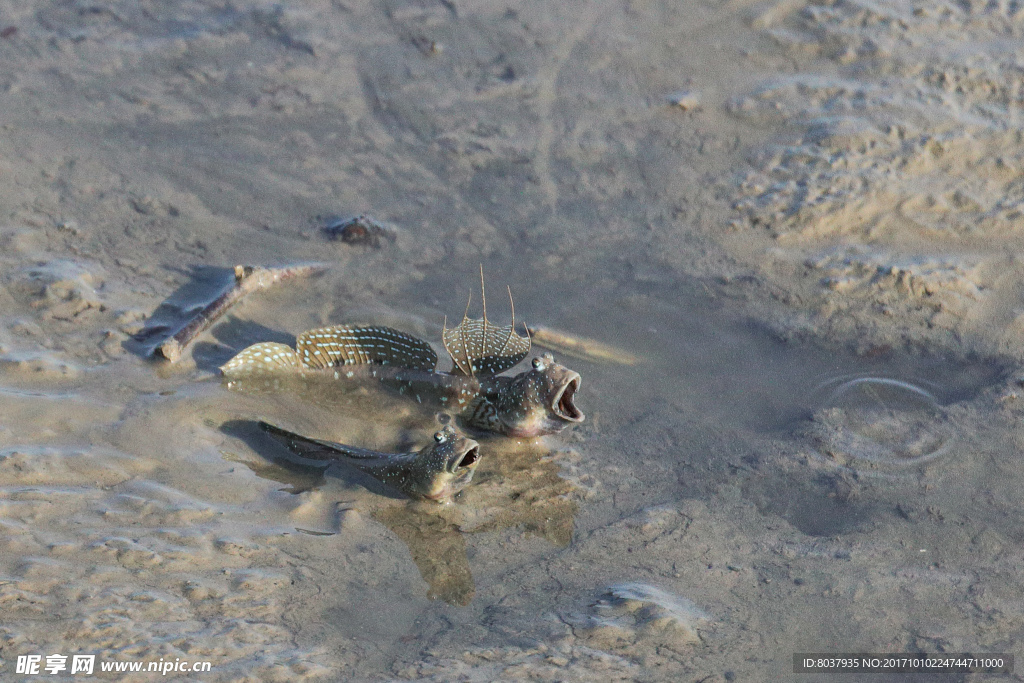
(580, 347)
(247, 279)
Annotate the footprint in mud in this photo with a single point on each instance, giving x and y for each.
(879, 424)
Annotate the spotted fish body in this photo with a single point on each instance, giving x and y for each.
(532, 403)
(437, 472)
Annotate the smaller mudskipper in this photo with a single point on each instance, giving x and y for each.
(437, 472)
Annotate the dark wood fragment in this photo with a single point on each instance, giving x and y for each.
(247, 279)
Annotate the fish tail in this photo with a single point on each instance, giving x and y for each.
(316, 449)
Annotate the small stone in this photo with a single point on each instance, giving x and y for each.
(361, 230)
(685, 99)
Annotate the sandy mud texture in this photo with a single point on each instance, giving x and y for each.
(804, 218)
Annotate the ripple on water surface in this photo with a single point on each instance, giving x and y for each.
(877, 423)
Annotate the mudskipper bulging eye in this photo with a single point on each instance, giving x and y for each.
(440, 437)
(538, 364)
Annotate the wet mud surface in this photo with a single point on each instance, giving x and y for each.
(799, 217)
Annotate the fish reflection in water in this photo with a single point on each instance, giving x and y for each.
(437, 547)
(515, 485)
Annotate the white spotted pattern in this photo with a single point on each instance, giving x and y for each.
(356, 345)
(267, 357)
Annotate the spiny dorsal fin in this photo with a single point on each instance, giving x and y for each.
(326, 347)
(267, 357)
(479, 348)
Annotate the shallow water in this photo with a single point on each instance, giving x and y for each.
(164, 482)
(816, 451)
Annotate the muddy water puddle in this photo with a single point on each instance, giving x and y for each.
(187, 516)
(828, 439)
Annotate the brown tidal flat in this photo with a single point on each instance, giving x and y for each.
(802, 218)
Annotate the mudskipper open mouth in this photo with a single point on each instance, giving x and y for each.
(468, 459)
(563, 405)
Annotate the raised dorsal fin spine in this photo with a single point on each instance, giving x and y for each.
(479, 347)
(483, 296)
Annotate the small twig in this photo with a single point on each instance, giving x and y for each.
(580, 347)
(247, 279)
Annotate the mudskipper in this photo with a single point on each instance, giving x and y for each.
(437, 472)
(535, 402)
